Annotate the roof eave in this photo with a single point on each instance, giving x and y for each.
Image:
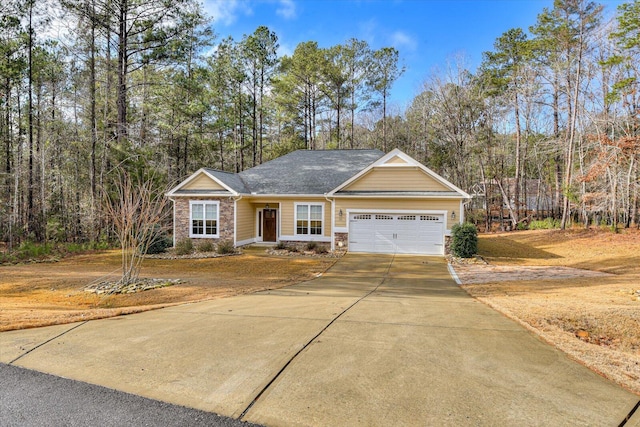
(281, 195)
(172, 192)
(375, 195)
(228, 194)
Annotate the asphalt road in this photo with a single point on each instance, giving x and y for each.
(30, 398)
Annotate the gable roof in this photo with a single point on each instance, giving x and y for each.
(398, 159)
(313, 172)
(307, 171)
(230, 180)
(222, 184)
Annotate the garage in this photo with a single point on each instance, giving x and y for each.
(415, 233)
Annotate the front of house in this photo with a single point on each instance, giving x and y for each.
(356, 200)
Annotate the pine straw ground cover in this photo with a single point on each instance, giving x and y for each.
(52, 293)
(595, 318)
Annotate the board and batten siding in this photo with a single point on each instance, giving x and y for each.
(396, 179)
(203, 182)
(346, 204)
(245, 220)
(287, 215)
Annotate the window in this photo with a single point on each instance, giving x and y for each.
(204, 219)
(309, 219)
(363, 216)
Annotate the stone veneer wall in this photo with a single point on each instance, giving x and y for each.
(344, 238)
(302, 245)
(225, 219)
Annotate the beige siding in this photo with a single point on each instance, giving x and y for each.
(396, 179)
(287, 215)
(395, 160)
(203, 182)
(286, 218)
(399, 205)
(245, 220)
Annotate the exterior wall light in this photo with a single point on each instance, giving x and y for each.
(453, 214)
(266, 206)
(340, 213)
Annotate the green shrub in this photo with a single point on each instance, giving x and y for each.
(226, 247)
(7, 258)
(281, 245)
(30, 250)
(464, 240)
(55, 231)
(320, 249)
(544, 224)
(311, 246)
(73, 248)
(205, 246)
(184, 247)
(159, 245)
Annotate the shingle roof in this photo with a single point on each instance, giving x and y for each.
(200, 192)
(300, 172)
(231, 180)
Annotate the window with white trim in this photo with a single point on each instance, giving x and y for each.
(309, 219)
(203, 218)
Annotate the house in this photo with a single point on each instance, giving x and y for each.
(356, 200)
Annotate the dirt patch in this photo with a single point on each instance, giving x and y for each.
(478, 273)
(53, 293)
(577, 289)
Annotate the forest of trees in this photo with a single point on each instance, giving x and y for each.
(549, 122)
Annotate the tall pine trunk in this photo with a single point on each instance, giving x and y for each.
(121, 100)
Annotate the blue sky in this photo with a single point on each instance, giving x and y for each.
(427, 33)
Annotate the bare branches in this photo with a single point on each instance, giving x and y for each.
(138, 213)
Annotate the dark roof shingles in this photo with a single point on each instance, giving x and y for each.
(301, 172)
(231, 180)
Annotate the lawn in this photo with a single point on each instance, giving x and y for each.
(52, 293)
(595, 318)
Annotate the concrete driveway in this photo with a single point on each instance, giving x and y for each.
(377, 340)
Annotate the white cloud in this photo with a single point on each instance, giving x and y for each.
(367, 30)
(225, 12)
(400, 39)
(285, 49)
(287, 9)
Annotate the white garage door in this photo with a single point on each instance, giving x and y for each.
(396, 233)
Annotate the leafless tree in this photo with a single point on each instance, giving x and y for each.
(139, 216)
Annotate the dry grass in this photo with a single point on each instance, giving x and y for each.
(52, 293)
(596, 320)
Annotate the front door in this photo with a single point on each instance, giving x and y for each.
(269, 225)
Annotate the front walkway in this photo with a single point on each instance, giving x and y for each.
(377, 340)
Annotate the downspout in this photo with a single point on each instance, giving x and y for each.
(235, 218)
(173, 221)
(462, 206)
(333, 222)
